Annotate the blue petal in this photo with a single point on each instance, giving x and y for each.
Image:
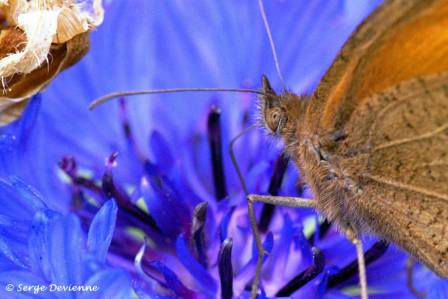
(6, 264)
(439, 289)
(25, 152)
(144, 291)
(28, 121)
(56, 246)
(101, 230)
(8, 144)
(19, 204)
(166, 204)
(224, 225)
(206, 282)
(19, 200)
(161, 151)
(279, 257)
(267, 245)
(172, 281)
(15, 139)
(12, 250)
(322, 286)
(302, 242)
(111, 283)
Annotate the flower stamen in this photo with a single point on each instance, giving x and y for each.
(226, 269)
(127, 130)
(215, 142)
(372, 254)
(127, 208)
(281, 164)
(306, 276)
(198, 233)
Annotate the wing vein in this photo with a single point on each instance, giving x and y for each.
(383, 111)
(435, 163)
(399, 185)
(430, 134)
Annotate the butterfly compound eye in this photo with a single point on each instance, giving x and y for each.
(273, 119)
(272, 112)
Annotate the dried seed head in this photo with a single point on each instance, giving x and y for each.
(31, 33)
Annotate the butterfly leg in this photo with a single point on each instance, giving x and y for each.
(352, 236)
(410, 263)
(251, 198)
(294, 202)
(287, 201)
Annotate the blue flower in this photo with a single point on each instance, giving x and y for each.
(157, 166)
(44, 252)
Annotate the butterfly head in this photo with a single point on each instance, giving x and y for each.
(279, 113)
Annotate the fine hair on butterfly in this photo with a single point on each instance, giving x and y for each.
(372, 140)
(373, 147)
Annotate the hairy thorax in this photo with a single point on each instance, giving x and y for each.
(326, 163)
(332, 180)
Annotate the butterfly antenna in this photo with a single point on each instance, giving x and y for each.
(235, 162)
(271, 42)
(118, 94)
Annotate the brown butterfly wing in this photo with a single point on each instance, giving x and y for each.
(369, 94)
(401, 40)
(401, 137)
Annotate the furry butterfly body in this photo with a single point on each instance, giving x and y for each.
(372, 141)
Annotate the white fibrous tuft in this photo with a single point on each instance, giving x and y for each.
(30, 31)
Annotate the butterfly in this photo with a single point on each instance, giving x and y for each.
(372, 140)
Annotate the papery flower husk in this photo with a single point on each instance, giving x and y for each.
(40, 39)
(21, 87)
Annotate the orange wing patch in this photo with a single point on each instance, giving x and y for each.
(418, 48)
(400, 41)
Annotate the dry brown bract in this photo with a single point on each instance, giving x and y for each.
(38, 39)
